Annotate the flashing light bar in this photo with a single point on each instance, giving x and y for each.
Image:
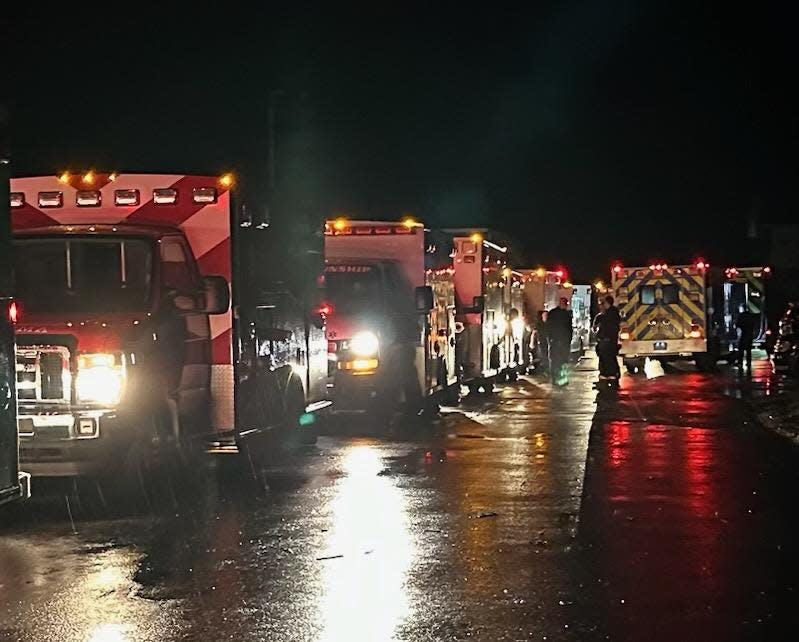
(88, 198)
(204, 195)
(17, 199)
(165, 196)
(126, 197)
(51, 199)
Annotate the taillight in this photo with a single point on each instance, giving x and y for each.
(696, 331)
(13, 312)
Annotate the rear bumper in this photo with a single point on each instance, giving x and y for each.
(50, 445)
(21, 491)
(675, 348)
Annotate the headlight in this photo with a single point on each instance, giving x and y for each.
(101, 378)
(364, 344)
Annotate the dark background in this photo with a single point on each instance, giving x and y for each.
(587, 131)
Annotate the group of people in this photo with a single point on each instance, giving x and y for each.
(554, 331)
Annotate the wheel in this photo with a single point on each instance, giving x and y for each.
(299, 428)
(634, 366)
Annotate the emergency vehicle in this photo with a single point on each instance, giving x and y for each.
(129, 349)
(664, 313)
(739, 287)
(581, 318)
(542, 290)
(13, 483)
(489, 305)
(390, 317)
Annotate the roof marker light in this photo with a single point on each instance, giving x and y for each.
(165, 196)
(339, 224)
(226, 180)
(113, 176)
(88, 177)
(64, 177)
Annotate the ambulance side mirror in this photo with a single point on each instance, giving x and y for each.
(217, 294)
(424, 299)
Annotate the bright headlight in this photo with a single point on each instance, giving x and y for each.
(364, 344)
(101, 378)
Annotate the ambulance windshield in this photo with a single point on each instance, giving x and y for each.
(83, 275)
(352, 287)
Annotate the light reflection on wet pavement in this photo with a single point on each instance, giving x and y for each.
(535, 513)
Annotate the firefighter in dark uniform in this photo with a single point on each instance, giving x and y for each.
(747, 324)
(606, 329)
(559, 332)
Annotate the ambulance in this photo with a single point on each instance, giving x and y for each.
(664, 313)
(152, 325)
(390, 315)
(740, 287)
(580, 304)
(489, 303)
(542, 290)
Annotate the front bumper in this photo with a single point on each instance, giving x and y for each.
(356, 392)
(50, 444)
(675, 348)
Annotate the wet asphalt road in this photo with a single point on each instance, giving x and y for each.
(661, 514)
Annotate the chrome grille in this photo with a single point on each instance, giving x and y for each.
(43, 374)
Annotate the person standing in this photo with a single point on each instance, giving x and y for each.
(559, 331)
(541, 342)
(746, 324)
(606, 328)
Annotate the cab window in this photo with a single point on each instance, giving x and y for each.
(176, 271)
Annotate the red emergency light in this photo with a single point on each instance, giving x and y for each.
(701, 264)
(325, 310)
(617, 268)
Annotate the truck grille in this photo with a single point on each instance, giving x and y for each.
(43, 374)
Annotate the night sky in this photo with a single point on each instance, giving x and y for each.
(587, 131)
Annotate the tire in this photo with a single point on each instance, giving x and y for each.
(634, 366)
(295, 410)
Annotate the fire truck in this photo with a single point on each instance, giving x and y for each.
(13, 483)
(489, 305)
(130, 351)
(664, 313)
(390, 315)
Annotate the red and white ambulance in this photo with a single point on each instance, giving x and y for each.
(390, 317)
(129, 344)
